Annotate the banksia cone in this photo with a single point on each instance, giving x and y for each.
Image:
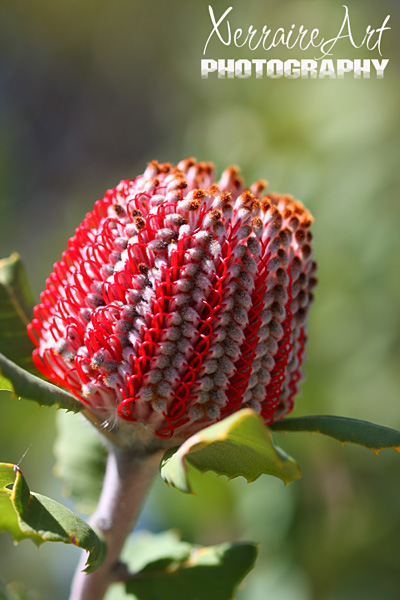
(179, 301)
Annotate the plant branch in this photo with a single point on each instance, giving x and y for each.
(125, 486)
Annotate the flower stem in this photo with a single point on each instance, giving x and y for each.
(125, 486)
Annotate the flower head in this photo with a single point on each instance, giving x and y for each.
(179, 301)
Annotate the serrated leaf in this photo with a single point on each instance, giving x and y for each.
(80, 460)
(16, 311)
(27, 515)
(26, 385)
(344, 429)
(170, 569)
(240, 445)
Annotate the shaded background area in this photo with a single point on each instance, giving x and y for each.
(89, 92)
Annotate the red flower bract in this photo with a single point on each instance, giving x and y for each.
(179, 301)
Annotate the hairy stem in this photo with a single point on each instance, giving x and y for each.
(125, 486)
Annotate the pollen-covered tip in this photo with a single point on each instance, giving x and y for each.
(179, 300)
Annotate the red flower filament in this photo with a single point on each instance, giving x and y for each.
(179, 301)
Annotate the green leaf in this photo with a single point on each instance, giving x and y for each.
(26, 385)
(5, 384)
(16, 311)
(170, 569)
(7, 593)
(364, 433)
(27, 515)
(80, 460)
(155, 551)
(240, 445)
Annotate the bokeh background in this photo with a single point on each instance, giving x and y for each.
(89, 92)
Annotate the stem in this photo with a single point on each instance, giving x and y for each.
(125, 486)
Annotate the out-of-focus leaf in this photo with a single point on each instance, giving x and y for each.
(167, 568)
(7, 592)
(27, 515)
(364, 433)
(240, 445)
(149, 550)
(80, 460)
(5, 384)
(26, 385)
(16, 305)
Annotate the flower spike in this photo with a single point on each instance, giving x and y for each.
(179, 300)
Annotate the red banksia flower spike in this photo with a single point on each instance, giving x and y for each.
(180, 300)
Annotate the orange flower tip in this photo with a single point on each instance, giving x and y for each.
(258, 186)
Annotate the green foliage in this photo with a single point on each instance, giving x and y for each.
(27, 515)
(16, 311)
(80, 460)
(239, 445)
(5, 384)
(168, 568)
(370, 435)
(26, 385)
(6, 593)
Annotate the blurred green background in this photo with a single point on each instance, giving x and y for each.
(89, 92)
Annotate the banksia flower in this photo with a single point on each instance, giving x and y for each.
(179, 301)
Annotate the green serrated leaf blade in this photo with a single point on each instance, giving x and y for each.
(240, 445)
(175, 570)
(27, 515)
(26, 385)
(344, 429)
